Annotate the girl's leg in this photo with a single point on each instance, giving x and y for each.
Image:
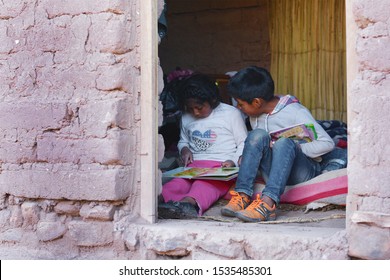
(176, 189)
(207, 192)
(185, 193)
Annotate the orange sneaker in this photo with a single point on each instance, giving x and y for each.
(258, 211)
(236, 203)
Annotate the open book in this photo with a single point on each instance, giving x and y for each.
(302, 133)
(216, 173)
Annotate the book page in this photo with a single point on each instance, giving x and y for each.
(220, 171)
(216, 173)
(301, 132)
(185, 172)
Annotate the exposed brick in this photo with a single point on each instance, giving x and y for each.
(51, 217)
(48, 231)
(374, 204)
(110, 34)
(66, 79)
(16, 152)
(98, 116)
(76, 52)
(59, 183)
(16, 219)
(369, 242)
(367, 164)
(57, 8)
(32, 115)
(71, 208)
(374, 218)
(385, 207)
(4, 218)
(378, 29)
(97, 212)
(120, 77)
(94, 60)
(12, 235)
(368, 50)
(48, 37)
(91, 233)
(111, 150)
(131, 237)
(368, 11)
(169, 243)
(30, 213)
(7, 43)
(11, 8)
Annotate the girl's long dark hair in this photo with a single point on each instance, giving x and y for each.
(201, 88)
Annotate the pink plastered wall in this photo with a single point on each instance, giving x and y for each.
(70, 93)
(70, 125)
(368, 209)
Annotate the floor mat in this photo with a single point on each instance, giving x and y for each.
(329, 215)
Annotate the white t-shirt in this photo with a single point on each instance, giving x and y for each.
(218, 137)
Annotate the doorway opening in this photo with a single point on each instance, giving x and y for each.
(305, 52)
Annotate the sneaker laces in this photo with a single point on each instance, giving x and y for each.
(237, 199)
(255, 203)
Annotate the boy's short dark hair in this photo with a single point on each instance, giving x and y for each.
(201, 88)
(250, 83)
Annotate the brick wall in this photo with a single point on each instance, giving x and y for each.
(69, 114)
(215, 36)
(69, 99)
(368, 118)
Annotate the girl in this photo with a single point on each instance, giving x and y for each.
(212, 135)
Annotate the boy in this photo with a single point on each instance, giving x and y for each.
(282, 162)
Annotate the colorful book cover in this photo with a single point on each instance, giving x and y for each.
(217, 173)
(302, 133)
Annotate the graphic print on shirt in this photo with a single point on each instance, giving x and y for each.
(203, 141)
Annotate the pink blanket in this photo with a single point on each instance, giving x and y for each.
(330, 188)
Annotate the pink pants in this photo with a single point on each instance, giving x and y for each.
(205, 192)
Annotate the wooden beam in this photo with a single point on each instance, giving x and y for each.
(149, 99)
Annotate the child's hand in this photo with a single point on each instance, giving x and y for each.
(227, 163)
(186, 156)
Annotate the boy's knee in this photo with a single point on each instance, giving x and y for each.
(284, 142)
(256, 135)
